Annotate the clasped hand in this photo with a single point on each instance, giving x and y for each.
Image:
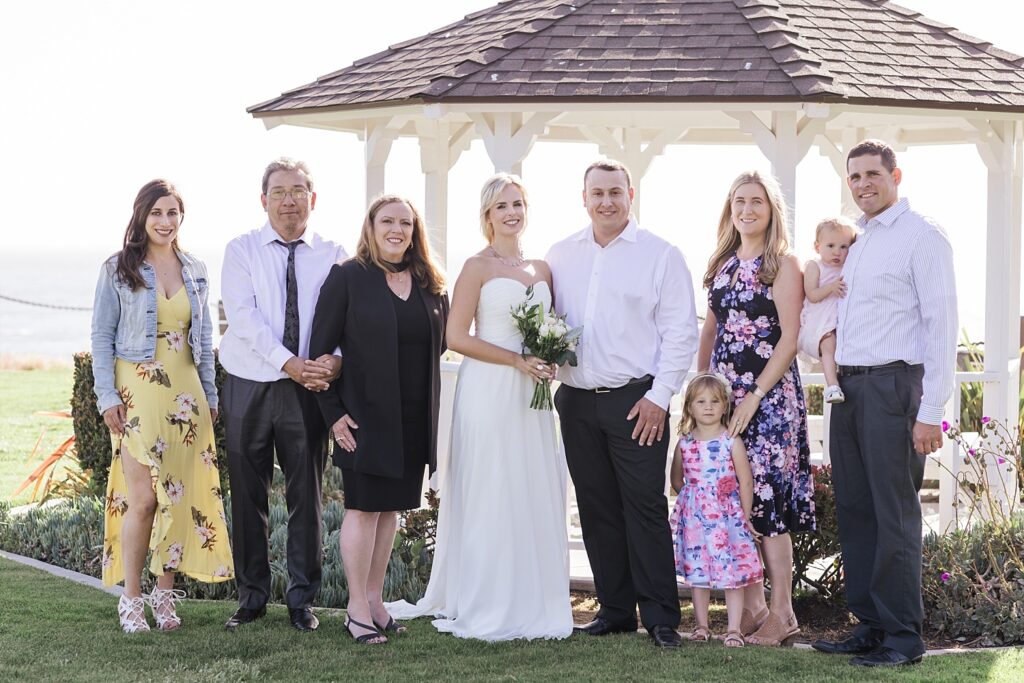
(315, 375)
(537, 369)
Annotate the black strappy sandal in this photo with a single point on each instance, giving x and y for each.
(366, 637)
(392, 626)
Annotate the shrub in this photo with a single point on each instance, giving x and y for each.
(973, 583)
(92, 439)
(817, 562)
(973, 579)
(70, 535)
(814, 397)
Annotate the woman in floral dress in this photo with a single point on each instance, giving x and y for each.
(755, 292)
(154, 380)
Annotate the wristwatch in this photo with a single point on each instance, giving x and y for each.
(756, 391)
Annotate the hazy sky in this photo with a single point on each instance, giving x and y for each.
(99, 97)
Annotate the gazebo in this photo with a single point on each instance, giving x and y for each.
(634, 76)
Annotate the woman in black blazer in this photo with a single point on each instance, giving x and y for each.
(386, 309)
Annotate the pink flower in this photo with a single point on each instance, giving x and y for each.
(1001, 460)
(945, 577)
(727, 486)
(945, 426)
(985, 419)
(972, 451)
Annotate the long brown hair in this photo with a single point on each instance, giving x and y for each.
(133, 251)
(776, 242)
(421, 264)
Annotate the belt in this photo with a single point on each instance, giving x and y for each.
(848, 370)
(636, 380)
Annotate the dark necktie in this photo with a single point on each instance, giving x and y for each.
(291, 306)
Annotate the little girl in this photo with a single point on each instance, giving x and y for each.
(712, 534)
(824, 286)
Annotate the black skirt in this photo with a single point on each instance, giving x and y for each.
(372, 493)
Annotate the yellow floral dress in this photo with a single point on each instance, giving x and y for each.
(169, 430)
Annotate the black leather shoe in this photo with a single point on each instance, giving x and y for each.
(665, 636)
(303, 618)
(243, 615)
(602, 627)
(852, 645)
(885, 656)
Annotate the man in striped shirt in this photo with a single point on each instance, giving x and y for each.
(896, 351)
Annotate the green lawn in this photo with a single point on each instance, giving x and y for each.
(53, 630)
(22, 393)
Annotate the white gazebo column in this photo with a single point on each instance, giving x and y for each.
(378, 136)
(784, 144)
(1000, 146)
(836, 154)
(508, 138)
(626, 145)
(440, 148)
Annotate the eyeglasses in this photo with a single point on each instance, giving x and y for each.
(298, 194)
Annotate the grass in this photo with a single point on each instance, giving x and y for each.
(22, 394)
(51, 629)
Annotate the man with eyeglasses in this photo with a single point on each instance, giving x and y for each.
(271, 280)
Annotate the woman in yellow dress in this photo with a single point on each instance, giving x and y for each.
(154, 380)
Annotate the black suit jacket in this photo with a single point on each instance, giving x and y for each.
(355, 313)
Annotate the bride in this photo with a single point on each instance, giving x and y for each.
(501, 563)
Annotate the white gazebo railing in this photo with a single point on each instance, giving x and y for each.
(945, 466)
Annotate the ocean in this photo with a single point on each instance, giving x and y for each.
(56, 280)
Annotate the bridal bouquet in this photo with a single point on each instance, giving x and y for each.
(546, 336)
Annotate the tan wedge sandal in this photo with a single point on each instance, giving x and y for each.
(775, 633)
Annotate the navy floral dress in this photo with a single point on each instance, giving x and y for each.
(776, 438)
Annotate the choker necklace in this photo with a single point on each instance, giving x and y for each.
(512, 261)
(391, 268)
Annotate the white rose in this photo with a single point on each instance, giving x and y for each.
(544, 330)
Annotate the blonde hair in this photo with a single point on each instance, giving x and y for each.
(776, 242)
(841, 223)
(421, 264)
(717, 385)
(494, 186)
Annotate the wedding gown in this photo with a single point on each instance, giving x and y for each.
(501, 562)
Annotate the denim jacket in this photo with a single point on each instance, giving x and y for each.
(124, 326)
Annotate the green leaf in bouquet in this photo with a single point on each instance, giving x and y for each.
(529, 292)
(571, 359)
(574, 333)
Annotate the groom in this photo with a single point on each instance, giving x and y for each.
(633, 295)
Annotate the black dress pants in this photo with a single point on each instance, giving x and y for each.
(620, 492)
(877, 475)
(259, 419)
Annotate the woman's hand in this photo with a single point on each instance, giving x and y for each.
(534, 367)
(214, 413)
(342, 432)
(743, 414)
(114, 418)
(750, 527)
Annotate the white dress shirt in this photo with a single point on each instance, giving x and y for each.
(901, 303)
(634, 299)
(253, 287)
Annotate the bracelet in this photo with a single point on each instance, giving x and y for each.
(756, 391)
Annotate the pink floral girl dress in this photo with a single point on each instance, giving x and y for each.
(713, 547)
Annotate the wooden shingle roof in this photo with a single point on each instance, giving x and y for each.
(852, 51)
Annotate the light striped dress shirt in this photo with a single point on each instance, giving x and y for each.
(634, 299)
(901, 303)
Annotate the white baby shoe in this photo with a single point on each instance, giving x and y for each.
(833, 394)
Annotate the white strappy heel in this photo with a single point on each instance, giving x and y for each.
(162, 600)
(132, 612)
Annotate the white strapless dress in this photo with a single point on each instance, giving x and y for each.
(501, 562)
